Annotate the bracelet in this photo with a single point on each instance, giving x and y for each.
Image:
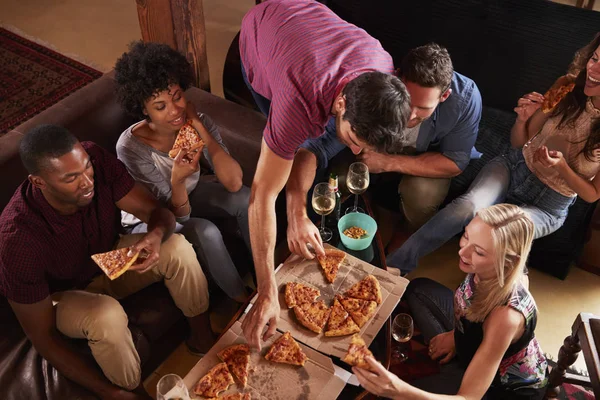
(181, 206)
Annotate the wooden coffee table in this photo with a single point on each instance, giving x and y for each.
(381, 346)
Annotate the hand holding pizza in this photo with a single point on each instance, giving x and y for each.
(528, 105)
(149, 248)
(300, 232)
(380, 382)
(548, 158)
(185, 164)
(264, 311)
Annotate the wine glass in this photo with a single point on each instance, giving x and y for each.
(171, 387)
(323, 202)
(402, 332)
(357, 182)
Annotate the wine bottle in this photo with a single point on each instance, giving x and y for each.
(333, 183)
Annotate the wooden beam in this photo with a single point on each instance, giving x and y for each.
(179, 24)
(190, 36)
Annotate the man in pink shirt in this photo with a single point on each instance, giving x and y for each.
(304, 65)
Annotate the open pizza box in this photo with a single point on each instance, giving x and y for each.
(273, 381)
(352, 270)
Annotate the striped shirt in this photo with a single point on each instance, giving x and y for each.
(299, 55)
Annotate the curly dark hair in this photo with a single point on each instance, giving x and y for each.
(573, 104)
(147, 69)
(428, 66)
(377, 108)
(43, 143)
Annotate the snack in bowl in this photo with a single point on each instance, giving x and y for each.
(355, 232)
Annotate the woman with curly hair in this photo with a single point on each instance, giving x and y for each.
(151, 80)
(487, 324)
(555, 158)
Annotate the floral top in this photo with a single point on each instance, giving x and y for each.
(523, 367)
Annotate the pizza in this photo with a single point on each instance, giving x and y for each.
(340, 322)
(331, 262)
(115, 263)
(287, 351)
(237, 358)
(554, 96)
(357, 353)
(234, 396)
(187, 139)
(313, 315)
(360, 310)
(297, 293)
(367, 289)
(215, 381)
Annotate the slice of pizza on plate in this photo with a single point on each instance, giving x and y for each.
(114, 263)
(357, 353)
(367, 289)
(297, 293)
(287, 351)
(215, 381)
(331, 262)
(340, 322)
(313, 315)
(360, 310)
(187, 139)
(237, 358)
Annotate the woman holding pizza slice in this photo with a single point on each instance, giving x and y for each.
(555, 158)
(151, 80)
(483, 333)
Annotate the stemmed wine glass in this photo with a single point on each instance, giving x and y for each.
(171, 387)
(402, 332)
(323, 202)
(357, 182)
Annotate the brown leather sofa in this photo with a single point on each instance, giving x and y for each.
(92, 113)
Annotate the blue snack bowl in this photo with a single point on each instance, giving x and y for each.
(360, 220)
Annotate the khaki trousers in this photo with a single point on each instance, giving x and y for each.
(96, 315)
(421, 197)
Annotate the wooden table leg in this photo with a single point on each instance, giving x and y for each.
(567, 355)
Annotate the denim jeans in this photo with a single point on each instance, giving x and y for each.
(504, 179)
(212, 200)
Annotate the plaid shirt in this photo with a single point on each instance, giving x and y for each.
(42, 252)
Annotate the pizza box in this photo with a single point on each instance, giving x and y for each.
(316, 380)
(352, 270)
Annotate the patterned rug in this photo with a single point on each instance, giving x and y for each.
(33, 77)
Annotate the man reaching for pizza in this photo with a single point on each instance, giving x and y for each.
(67, 210)
(304, 65)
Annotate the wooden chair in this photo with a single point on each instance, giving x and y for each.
(585, 335)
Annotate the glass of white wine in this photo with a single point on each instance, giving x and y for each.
(357, 182)
(323, 202)
(171, 387)
(402, 332)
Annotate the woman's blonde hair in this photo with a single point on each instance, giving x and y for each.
(512, 233)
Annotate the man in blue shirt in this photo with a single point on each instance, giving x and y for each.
(438, 144)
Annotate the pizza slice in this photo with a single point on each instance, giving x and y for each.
(340, 322)
(114, 263)
(360, 310)
(234, 396)
(357, 353)
(187, 139)
(287, 351)
(313, 315)
(331, 262)
(367, 289)
(237, 358)
(215, 381)
(555, 95)
(297, 293)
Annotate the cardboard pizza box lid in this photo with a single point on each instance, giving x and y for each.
(308, 272)
(316, 380)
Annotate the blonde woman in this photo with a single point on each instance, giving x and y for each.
(483, 334)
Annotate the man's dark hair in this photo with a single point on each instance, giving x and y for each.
(377, 108)
(428, 66)
(147, 69)
(42, 143)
